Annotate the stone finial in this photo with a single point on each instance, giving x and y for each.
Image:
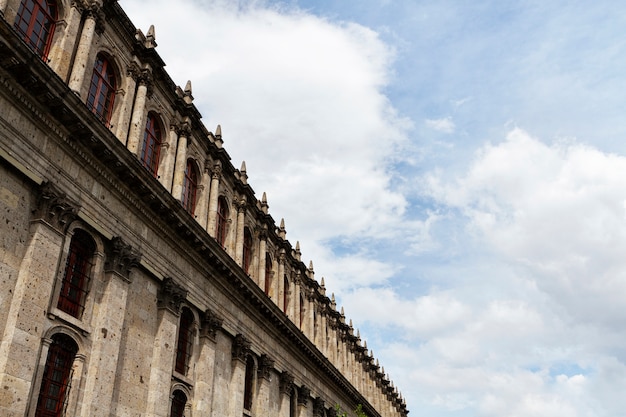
(150, 41)
(211, 323)
(333, 302)
(55, 208)
(298, 254)
(281, 229)
(243, 175)
(240, 348)
(187, 96)
(171, 295)
(121, 258)
(218, 136)
(263, 202)
(266, 364)
(322, 287)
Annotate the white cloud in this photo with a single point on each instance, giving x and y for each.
(445, 125)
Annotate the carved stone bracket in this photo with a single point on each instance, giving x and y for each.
(303, 395)
(266, 364)
(241, 348)
(286, 383)
(121, 258)
(211, 323)
(171, 295)
(318, 407)
(55, 208)
(331, 412)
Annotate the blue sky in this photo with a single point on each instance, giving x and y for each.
(456, 171)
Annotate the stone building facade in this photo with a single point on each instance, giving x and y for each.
(139, 273)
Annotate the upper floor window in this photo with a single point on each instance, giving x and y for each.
(77, 273)
(35, 21)
(190, 186)
(285, 294)
(179, 401)
(247, 249)
(56, 377)
(102, 89)
(268, 274)
(185, 341)
(151, 145)
(222, 221)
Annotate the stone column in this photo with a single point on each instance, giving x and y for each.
(73, 394)
(303, 397)
(240, 352)
(138, 119)
(109, 327)
(84, 48)
(169, 300)
(280, 281)
(262, 406)
(30, 301)
(181, 162)
(216, 175)
(123, 120)
(286, 391)
(241, 215)
(262, 257)
(168, 156)
(203, 197)
(61, 57)
(205, 367)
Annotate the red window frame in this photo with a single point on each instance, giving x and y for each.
(56, 377)
(222, 221)
(285, 294)
(36, 21)
(185, 342)
(151, 149)
(190, 188)
(247, 249)
(102, 90)
(179, 401)
(77, 273)
(268, 274)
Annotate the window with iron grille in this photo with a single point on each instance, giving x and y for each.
(151, 148)
(102, 89)
(222, 221)
(190, 187)
(268, 274)
(247, 249)
(76, 275)
(249, 382)
(35, 21)
(179, 400)
(56, 377)
(185, 342)
(285, 294)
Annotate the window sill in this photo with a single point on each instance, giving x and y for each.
(56, 314)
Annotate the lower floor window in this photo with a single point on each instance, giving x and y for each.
(57, 374)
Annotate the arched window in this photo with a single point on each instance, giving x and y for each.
(222, 221)
(268, 273)
(247, 249)
(151, 145)
(35, 21)
(179, 401)
(102, 89)
(185, 341)
(56, 376)
(249, 382)
(190, 186)
(285, 294)
(77, 274)
(301, 310)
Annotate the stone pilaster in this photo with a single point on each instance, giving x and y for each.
(240, 351)
(108, 324)
(181, 161)
(168, 158)
(138, 118)
(262, 257)
(133, 72)
(61, 55)
(318, 407)
(240, 204)
(280, 281)
(262, 405)
(286, 388)
(304, 393)
(26, 316)
(81, 59)
(203, 196)
(205, 366)
(216, 175)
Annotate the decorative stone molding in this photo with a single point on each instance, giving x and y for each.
(211, 323)
(241, 348)
(331, 412)
(303, 395)
(240, 204)
(55, 208)
(171, 295)
(318, 407)
(286, 383)
(121, 258)
(266, 364)
(216, 171)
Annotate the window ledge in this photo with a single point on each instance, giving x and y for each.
(56, 314)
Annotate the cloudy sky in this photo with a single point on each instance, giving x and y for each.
(455, 169)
